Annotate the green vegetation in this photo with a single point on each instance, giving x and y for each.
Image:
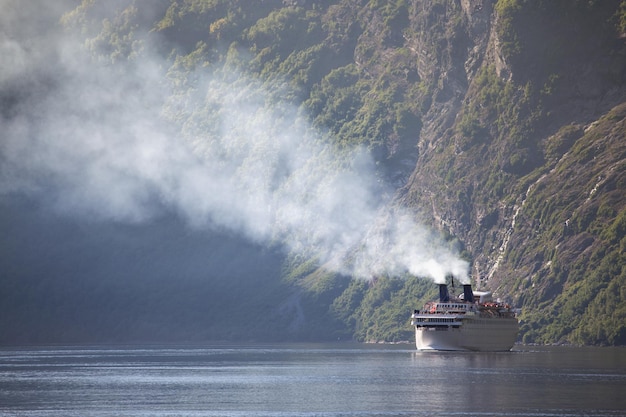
(582, 241)
(379, 311)
(542, 36)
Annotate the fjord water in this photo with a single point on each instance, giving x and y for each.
(311, 380)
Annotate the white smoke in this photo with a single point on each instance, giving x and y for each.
(127, 143)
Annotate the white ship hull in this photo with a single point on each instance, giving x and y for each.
(483, 335)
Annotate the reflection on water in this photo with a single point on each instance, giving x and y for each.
(311, 380)
(534, 381)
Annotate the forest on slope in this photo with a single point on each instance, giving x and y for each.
(500, 124)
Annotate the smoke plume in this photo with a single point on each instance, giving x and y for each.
(132, 140)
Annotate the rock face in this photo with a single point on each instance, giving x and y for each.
(520, 93)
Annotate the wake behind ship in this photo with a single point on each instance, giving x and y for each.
(472, 321)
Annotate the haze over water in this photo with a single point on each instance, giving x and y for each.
(311, 380)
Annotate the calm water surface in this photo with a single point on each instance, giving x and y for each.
(311, 380)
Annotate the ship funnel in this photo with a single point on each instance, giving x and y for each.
(468, 294)
(444, 296)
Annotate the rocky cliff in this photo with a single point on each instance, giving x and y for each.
(528, 141)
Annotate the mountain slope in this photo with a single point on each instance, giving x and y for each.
(500, 122)
(509, 171)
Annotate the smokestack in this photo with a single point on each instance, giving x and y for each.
(444, 297)
(468, 294)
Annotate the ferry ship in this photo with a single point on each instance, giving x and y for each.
(470, 322)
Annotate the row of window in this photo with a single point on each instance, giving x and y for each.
(434, 320)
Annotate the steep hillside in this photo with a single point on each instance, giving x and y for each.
(500, 124)
(496, 176)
